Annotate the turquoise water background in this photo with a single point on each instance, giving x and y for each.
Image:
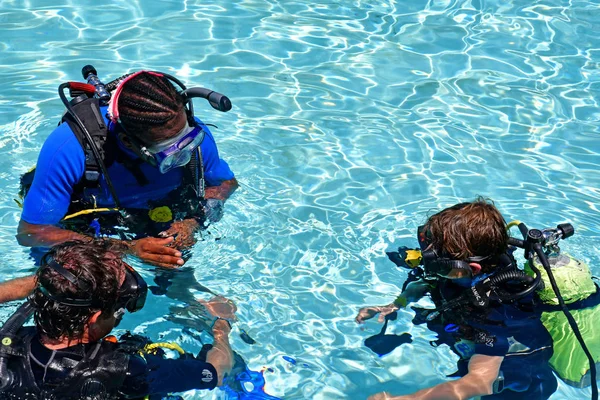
(352, 121)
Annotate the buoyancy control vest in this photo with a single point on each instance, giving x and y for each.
(97, 376)
(462, 323)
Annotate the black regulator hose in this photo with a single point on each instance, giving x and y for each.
(516, 275)
(9, 329)
(537, 247)
(90, 141)
(88, 137)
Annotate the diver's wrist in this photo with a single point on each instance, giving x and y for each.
(400, 302)
(221, 325)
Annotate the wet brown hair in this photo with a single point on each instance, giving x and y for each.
(469, 229)
(98, 265)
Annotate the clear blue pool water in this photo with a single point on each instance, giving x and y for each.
(352, 120)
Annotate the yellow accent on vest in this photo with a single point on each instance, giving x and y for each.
(161, 214)
(88, 211)
(152, 348)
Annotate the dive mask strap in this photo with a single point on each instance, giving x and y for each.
(49, 262)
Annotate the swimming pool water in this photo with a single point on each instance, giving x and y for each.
(352, 120)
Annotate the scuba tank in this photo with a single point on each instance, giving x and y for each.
(582, 296)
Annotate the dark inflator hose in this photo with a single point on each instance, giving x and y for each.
(217, 100)
(10, 328)
(544, 260)
(89, 139)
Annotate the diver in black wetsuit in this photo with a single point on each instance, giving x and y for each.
(81, 294)
(504, 323)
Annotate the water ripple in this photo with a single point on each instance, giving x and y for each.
(352, 122)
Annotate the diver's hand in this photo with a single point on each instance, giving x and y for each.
(213, 209)
(183, 232)
(220, 307)
(369, 312)
(156, 251)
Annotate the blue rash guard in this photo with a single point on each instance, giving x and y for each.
(61, 165)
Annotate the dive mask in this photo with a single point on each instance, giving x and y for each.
(133, 291)
(176, 151)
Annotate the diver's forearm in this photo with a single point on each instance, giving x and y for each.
(223, 191)
(17, 289)
(221, 355)
(454, 390)
(31, 235)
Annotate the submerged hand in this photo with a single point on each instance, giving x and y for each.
(366, 313)
(183, 232)
(220, 307)
(156, 251)
(369, 312)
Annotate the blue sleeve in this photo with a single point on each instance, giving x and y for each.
(156, 375)
(60, 166)
(216, 170)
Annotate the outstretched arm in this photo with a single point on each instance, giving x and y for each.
(413, 291)
(33, 235)
(17, 289)
(483, 371)
(155, 251)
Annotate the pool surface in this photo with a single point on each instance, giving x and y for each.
(352, 121)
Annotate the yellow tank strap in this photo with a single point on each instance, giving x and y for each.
(153, 347)
(89, 211)
(512, 223)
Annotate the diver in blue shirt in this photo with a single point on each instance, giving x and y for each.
(137, 164)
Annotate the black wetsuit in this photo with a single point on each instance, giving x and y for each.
(119, 372)
(513, 331)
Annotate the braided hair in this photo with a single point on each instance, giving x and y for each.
(149, 105)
